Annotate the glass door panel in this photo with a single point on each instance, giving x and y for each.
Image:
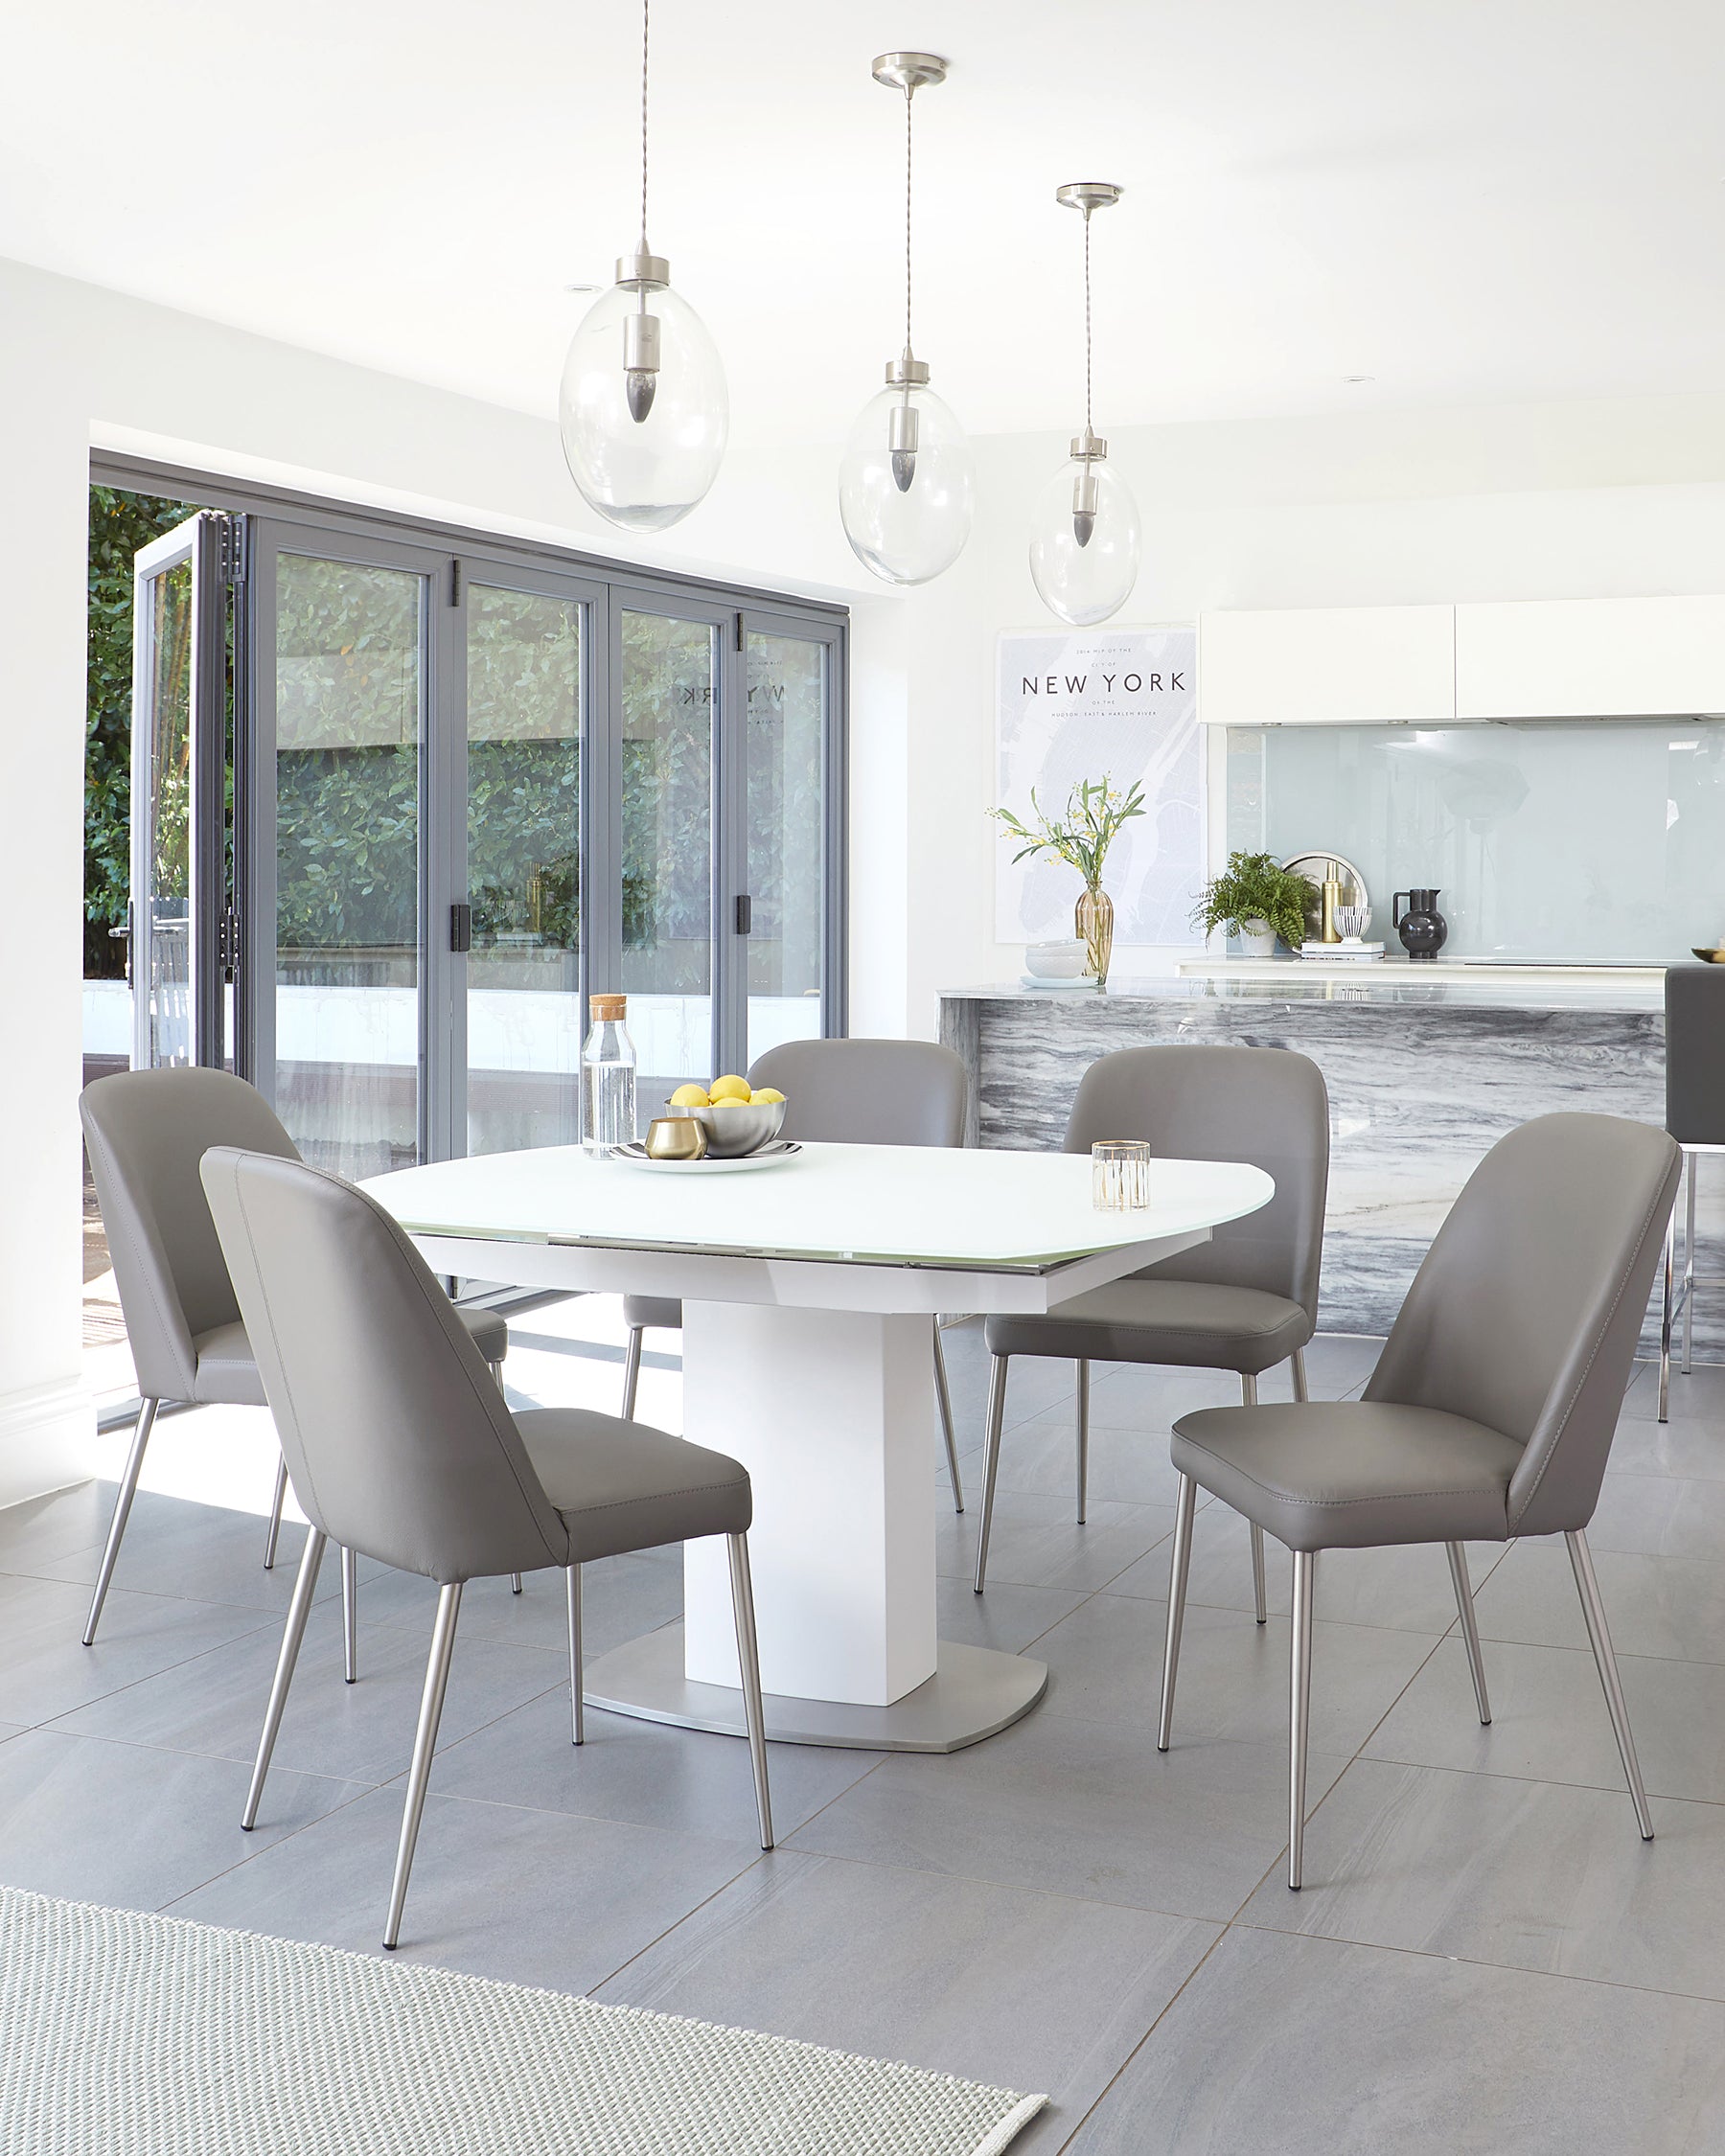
(669, 680)
(785, 776)
(524, 678)
(350, 687)
(164, 730)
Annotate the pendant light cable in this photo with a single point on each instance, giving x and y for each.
(646, 6)
(908, 94)
(1088, 429)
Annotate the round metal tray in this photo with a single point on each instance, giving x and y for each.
(1353, 885)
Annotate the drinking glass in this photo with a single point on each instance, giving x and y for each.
(1120, 1175)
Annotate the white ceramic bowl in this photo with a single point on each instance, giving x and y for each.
(1056, 961)
(735, 1128)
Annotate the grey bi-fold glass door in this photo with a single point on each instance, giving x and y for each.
(470, 785)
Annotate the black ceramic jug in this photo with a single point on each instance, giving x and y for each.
(1422, 928)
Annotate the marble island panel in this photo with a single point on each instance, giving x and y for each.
(1423, 1078)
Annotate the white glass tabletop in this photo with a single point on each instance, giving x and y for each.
(881, 1204)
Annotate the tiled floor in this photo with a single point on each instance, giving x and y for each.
(1485, 1958)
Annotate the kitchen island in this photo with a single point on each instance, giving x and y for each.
(1426, 1070)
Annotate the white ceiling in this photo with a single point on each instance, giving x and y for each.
(1464, 199)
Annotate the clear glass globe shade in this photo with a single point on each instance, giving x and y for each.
(1084, 583)
(907, 534)
(647, 473)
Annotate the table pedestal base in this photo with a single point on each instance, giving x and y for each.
(974, 1692)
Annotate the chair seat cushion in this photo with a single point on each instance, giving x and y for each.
(663, 1311)
(621, 1485)
(1202, 1324)
(227, 1370)
(1353, 1474)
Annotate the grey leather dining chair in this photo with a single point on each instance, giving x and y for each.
(857, 1093)
(1245, 1300)
(147, 1131)
(398, 1445)
(1490, 1413)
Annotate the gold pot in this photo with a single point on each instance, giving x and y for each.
(1092, 919)
(676, 1137)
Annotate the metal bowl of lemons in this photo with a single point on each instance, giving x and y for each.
(737, 1120)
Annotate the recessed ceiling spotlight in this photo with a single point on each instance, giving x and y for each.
(1359, 378)
(580, 288)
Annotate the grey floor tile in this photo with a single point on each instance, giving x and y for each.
(499, 1891)
(1660, 1516)
(1339, 1364)
(1698, 1398)
(12, 1729)
(1407, 1589)
(37, 1531)
(1668, 1606)
(1526, 1873)
(1037, 1541)
(1549, 1720)
(1151, 1397)
(1127, 1466)
(1300, 2047)
(357, 1733)
(622, 1598)
(1008, 1616)
(647, 1771)
(1690, 1447)
(1078, 1808)
(1105, 1663)
(124, 1824)
(1027, 1991)
(201, 1551)
(45, 1668)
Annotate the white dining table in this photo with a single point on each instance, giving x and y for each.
(808, 1290)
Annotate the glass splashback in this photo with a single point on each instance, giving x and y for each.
(1597, 840)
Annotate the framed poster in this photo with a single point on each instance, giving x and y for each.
(1087, 703)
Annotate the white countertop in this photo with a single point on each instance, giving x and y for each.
(1477, 972)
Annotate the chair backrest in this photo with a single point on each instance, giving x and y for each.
(397, 1438)
(1266, 1106)
(1694, 1054)
(867, 1092)
(147, 1131)
(1526, 1312)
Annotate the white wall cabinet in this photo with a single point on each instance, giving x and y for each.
(1328, 666)
(1590, 658)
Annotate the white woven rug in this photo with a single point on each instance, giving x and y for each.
(123, 2034)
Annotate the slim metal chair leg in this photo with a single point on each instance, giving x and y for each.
(123, 1504)
(1300, 1708)
(577, 1723)
(1083, 1439)
(991, 1459)
(631, 1371)
(1185, 1504)
(1688, 1261)
(276, 1503)
(944, 1399)
(1664, 1321)
(1470, 1629)
(349, 1617)
(299, 1609)
(749, 1662)
(424, 1744)
(514, 1583)
(1249, 1397)
(1605, 1661)
(1299, 1375)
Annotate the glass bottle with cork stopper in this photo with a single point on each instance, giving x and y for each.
(608, 1078)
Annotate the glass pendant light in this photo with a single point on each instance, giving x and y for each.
(643, 407)
(1084, 541)
(907, 481)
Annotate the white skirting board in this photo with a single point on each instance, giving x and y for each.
(47, 1432)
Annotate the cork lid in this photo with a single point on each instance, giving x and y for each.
(607, 1006)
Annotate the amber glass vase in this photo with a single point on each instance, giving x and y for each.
(1093, 920)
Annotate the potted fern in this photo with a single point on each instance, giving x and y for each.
(1257, 900)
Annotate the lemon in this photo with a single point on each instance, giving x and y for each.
(731, 1088)
(765, 1097)
(690, 1097)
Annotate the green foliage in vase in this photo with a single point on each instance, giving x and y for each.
(1095, 814)
(1257, 887)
